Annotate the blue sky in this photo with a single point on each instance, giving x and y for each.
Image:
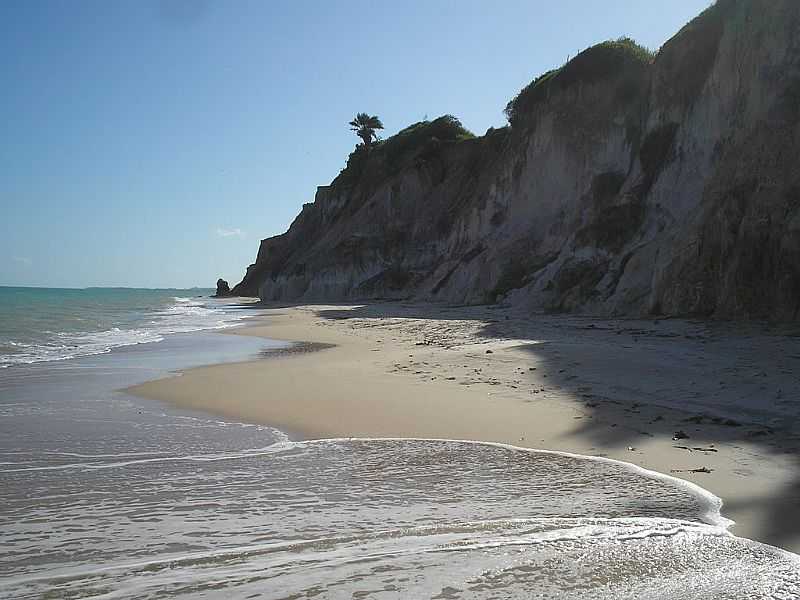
(154, 143)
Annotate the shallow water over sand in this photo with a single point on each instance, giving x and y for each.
(105, 495)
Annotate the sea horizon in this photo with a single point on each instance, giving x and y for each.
(105, 287)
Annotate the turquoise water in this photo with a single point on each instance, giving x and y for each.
(45, 324)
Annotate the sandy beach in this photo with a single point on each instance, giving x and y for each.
(615, 388)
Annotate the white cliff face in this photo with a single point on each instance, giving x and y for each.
(732, 182)
(673, 189)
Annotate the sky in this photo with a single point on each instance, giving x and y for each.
(153, 143)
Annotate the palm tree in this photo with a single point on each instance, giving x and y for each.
(365, 126)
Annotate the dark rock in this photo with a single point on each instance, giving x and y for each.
(223, 289)
(680, 435)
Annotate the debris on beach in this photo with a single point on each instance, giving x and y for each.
(700, 470)
(696, 448)
(680, 435)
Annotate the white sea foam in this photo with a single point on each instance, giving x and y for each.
(381, 518)
(184, 316)
(712, 505)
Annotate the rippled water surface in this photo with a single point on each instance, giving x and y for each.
(103, 495)
(361, 518)
(52, 324)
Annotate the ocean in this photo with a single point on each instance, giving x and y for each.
(46, 324)
(105, 495)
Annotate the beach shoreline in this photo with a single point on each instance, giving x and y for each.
(599, 387)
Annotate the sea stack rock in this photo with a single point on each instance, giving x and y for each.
(223, 289)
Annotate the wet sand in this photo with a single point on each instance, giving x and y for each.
(616, 388)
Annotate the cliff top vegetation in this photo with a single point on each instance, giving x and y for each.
(597, 63)
(395, 151)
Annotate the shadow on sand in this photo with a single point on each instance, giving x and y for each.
(729, 382)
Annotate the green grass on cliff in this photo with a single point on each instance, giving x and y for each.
(600, 62)
(422, 139)
(422, 135)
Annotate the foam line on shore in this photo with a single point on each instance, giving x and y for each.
(712, 503)
(576, 529)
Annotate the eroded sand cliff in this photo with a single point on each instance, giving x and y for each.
(626, 184)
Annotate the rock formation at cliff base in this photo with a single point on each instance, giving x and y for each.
(223, 289)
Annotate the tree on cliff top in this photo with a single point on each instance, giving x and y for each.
(365, 127)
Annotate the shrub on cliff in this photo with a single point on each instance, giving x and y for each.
(419, 136)
(389, 155)
(600, 62)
